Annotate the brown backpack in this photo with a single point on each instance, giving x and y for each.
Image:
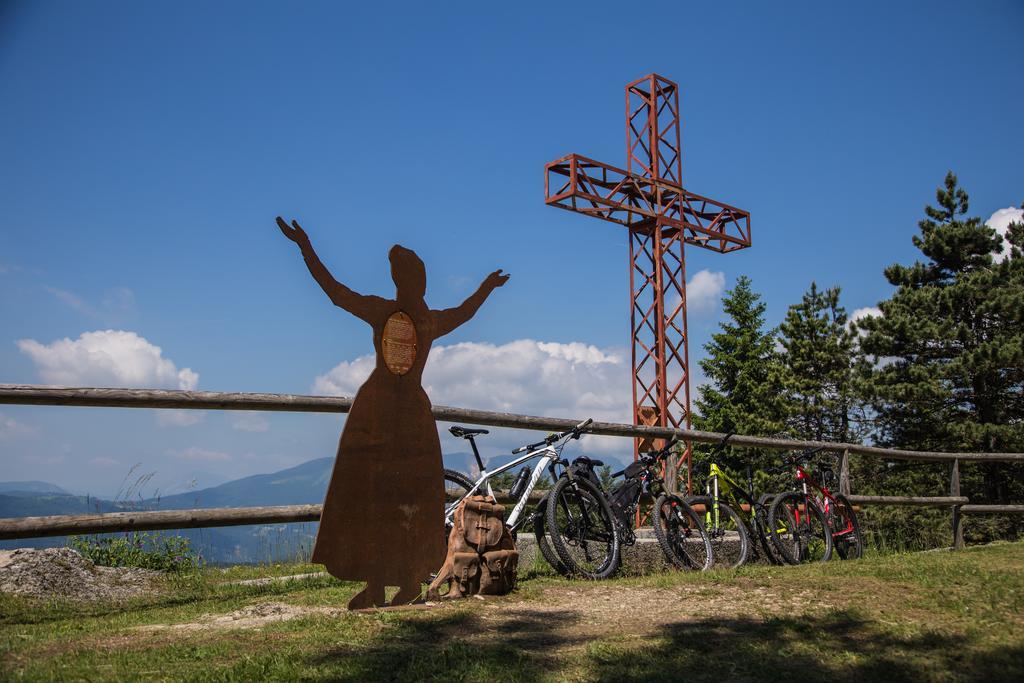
(482, 557)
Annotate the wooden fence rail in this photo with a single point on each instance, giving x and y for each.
(29, 527)
(933, 501)
(107, 522)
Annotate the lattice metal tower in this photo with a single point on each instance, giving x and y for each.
(649, 199)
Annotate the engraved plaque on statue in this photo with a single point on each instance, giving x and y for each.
(399, 343)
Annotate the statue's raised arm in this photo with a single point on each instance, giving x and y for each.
(448, 319)
(359, 305)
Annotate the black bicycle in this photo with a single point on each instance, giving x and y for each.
(678, 529)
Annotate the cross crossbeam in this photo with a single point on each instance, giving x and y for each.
(584, 185)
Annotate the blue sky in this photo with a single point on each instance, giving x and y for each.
(147, 148)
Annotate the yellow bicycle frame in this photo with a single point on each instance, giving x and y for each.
(722, 485)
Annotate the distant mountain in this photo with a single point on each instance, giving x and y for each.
(302, 484)
(29, 504)
(29, 487)
(305, 483)
(461, 462)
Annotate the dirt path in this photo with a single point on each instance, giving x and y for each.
(596, 610)
(564, 612)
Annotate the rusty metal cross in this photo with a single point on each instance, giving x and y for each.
(649, 199)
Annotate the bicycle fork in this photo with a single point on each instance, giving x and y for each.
(711, 515)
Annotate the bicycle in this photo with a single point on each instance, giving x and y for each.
(809, 526)
(723, 501)
(585, 522)
(677, 528)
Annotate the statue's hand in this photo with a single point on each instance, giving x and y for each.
(496, 279)
(294, 232)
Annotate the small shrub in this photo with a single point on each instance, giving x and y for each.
(140, 550)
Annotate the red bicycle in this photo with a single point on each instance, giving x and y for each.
(807, 525)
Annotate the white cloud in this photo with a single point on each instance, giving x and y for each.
(107, 358)
(860, 314)
(114, 304)
(869, 312)
(250, 422)
(12, 429)
(194, 453)
(118, 299)
(545, 378)
(179, 418)
(704, 291)
(71, 300)
(1000, 222)
(103, 461)
(866, 312)
(573, 380)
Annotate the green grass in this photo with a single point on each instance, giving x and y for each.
(925, 616)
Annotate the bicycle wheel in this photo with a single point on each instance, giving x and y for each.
(798, 529)
(846, 537)
(765, 545)
(543, 543)
(582, 529)
(456, 486)
(680, 533)
(730, 540)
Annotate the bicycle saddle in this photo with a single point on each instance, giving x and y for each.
(464, 432)
(588, 461)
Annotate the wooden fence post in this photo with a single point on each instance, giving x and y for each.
(671, 474)
(958, 518)
(844, 472)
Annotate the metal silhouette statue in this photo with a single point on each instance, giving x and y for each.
(383, 515)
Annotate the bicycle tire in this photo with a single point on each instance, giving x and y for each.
(458, 480)
(762, 528)
(456, 485)
(795, 544)
(848, 543)
(540, 534)
(568, 535)
(675, 524)
(729, 553)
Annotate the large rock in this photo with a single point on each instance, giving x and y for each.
(64, 574)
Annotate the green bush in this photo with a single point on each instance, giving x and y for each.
(140, 550)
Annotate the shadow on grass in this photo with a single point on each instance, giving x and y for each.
(517, 645)
(837, 647)
(531, 645)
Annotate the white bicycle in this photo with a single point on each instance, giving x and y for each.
(574, 515)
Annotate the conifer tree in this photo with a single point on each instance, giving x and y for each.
(743, 390)
(818, 358)
(949, 344)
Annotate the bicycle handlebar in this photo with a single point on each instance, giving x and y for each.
(649, 458)
(801, 457)
(807, 454)
(664, 452)
(574, 433)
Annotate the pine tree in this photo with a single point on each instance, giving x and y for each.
(819, 356)
(949, 346)
(743, 390)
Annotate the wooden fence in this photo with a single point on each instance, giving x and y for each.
(32, 527)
